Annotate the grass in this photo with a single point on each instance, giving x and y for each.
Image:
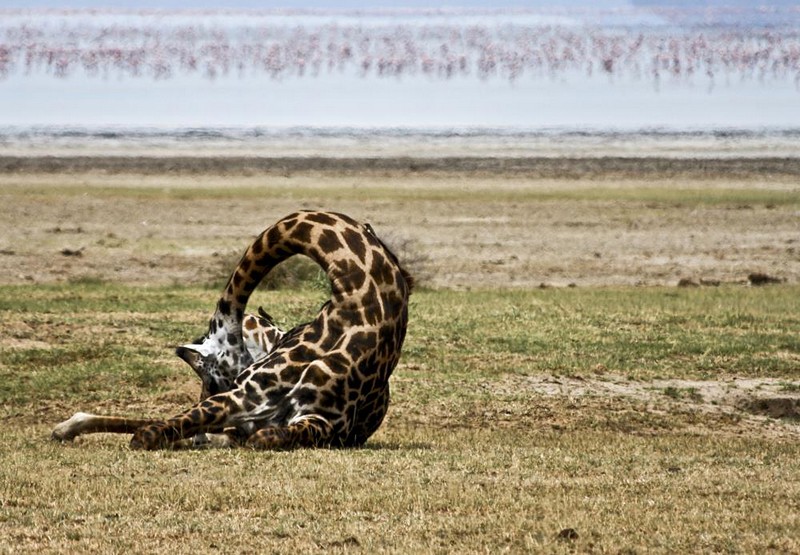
(643, 333)
(653, 196)
(782, 192)
(469, 459)
(446, 492)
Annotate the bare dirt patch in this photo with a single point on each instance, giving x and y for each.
(598, 224)
(770, 405)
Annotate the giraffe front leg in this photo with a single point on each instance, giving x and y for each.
(208, 415)
(305, 431)
(83, 423)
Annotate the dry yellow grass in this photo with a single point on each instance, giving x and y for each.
(415, 489)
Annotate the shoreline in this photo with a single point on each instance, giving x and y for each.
(539, 167)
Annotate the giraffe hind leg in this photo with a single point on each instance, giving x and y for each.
(306, 431)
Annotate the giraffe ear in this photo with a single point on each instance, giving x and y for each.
(200, 347)
(190, 354)
(194, 358)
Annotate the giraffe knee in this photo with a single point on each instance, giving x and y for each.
(149, 438)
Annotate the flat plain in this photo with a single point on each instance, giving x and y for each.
(558, 391)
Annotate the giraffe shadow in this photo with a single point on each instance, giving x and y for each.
(396, 446)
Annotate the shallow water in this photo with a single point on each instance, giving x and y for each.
(353, 142)
(630, 88)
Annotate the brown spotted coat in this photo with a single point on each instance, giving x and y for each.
(326, 382)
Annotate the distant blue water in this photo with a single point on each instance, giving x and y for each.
(200, 135)
(381, 81)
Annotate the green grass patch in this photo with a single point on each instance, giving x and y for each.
(346, 189)
(60, 336)
(642, 333)
(78, 373)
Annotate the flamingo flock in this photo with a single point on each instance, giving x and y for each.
(440, 49)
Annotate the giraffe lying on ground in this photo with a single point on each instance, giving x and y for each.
(326, 382)
(260, 335)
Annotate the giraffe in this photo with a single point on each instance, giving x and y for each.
(326, 382)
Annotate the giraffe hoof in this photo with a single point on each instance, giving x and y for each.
(68, 429)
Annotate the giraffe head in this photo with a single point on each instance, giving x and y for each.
(218, 356)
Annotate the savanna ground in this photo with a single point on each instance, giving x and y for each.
(621, 415)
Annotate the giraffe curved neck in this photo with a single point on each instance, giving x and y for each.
(337, 243)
